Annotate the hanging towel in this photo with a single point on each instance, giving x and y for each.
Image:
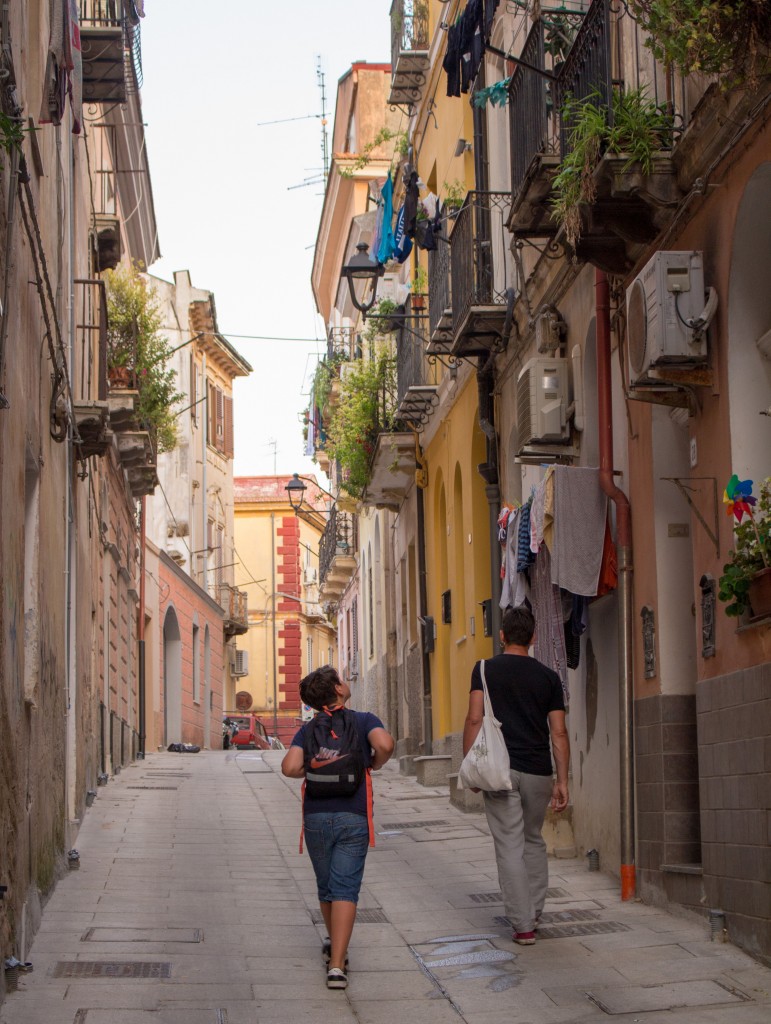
(387, 246)
(609, 570)
(549, 644)
(538, 512)
(580, 514)
(401, 241)
(525, 556)
(515, 590)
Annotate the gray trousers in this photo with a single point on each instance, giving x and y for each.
(515, 818)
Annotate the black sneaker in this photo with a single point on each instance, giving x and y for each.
(337, 978)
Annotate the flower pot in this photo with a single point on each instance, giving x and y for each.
(760, 594)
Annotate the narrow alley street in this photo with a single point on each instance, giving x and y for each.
(192, 904)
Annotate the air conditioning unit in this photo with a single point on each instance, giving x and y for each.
(542, 403)
(667, 316)
(310, 575)
(241, 663)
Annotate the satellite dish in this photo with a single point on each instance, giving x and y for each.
(243, 700)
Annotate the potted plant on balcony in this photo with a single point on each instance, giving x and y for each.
(454, 197)
(419, 289)
(136, 347)
(746, 580)
(640, 131)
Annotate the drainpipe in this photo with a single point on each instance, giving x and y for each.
(141, 628)
(625, 569)
(489, 473)
(428, 725)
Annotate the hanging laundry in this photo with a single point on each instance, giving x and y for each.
(549, 644)
(490, 9)
(387, 246)
(609, 569)
(503, 522)
(525, 556)
(580, 515)
(451, 62)
(411, 200)
(538, 511)
(496, 94)
(403, 244)
(377, 234)
(515, 589)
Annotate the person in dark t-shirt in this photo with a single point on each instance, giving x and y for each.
(337, 829)
(528, 701)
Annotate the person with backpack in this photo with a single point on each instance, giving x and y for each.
(335, 753)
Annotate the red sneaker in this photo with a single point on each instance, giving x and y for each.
(524, 938)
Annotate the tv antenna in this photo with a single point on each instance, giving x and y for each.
(319, 176)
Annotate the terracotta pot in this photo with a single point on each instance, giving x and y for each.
(760, 594)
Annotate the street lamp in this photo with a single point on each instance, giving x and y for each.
(362, 268)
(296, 490)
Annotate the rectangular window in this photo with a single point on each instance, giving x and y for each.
(193, 389)
(309, 647)
(355, 635)
(211, 414)
(371, 610)
(219, 557)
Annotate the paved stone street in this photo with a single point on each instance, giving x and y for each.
(193, 906)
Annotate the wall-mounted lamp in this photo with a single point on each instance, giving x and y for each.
(361, 268)
(461, 147)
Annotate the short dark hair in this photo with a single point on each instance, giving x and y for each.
(318, 688)
(518, 626)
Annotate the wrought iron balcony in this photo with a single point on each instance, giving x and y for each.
(534, 119)
(337, 554)
(480, 256)
(416, 377)
(109, 36)
(409, 50)
(343, 343)
(235, 604)
(439, 290)
(89, 372)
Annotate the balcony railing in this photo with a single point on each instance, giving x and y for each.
(235, 604)
(439, 291)
(343, 343)
(416, 377)
(89, 381)
(409, 50)
(338, 538)
(110, 43)
(587, 68)
(480, 255)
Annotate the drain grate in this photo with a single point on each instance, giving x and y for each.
(582, 926)
(496, 897)
(412, 824)
(111, 969)
(371, 915)
(568, 916)
(172, 789)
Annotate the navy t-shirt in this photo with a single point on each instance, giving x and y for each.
(523, 691)
(356, 804)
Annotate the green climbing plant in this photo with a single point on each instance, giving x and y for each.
(401, 146)
(135, 343)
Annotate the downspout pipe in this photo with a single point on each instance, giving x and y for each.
(489, 473)
(625, 570)
(428, 728)
(141, 630)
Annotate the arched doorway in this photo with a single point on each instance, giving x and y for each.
(172, 679)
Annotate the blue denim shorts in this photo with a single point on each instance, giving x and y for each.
(337, 845)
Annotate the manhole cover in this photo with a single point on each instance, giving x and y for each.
(400, 825)
(111, 969)
(373, 915)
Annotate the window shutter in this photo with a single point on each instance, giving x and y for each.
(220, 420)
(193, 389)
(229, 446)
(211, 415)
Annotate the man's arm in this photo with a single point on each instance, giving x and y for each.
(382, 743)
(560, 745)
(293, 764)
(474, 716)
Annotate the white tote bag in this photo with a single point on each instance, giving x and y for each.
(486, 766)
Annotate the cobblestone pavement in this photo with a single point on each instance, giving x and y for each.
(192, 905)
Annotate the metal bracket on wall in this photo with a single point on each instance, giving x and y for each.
(681, 485)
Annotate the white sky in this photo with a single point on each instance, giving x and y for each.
(212, 71)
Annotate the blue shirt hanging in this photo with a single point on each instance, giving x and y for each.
(387, 246)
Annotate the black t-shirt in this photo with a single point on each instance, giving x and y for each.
(523, 691)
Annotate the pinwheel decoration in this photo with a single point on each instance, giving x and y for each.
(738, 497)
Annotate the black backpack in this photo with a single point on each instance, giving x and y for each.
(340, 775)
